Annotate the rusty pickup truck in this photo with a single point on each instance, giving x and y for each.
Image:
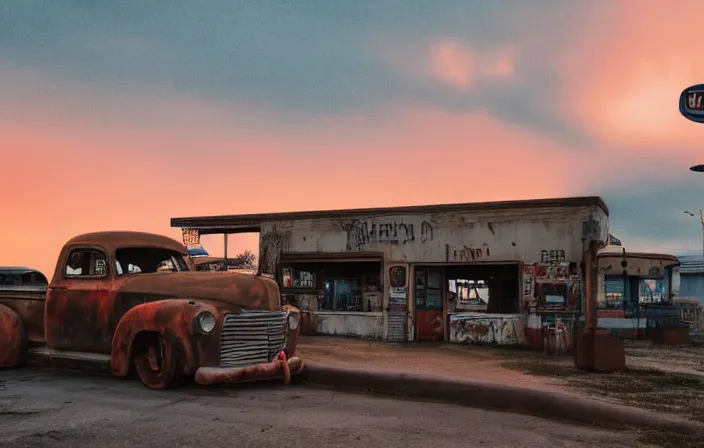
(133, 302)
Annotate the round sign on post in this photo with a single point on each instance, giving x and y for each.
(692, 104)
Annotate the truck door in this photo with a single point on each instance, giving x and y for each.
(78, 310)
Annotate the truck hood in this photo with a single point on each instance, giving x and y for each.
(227, 288)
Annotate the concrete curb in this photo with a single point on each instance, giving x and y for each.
(494, 396)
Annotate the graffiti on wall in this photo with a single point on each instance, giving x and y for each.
(467, 252)
(476, 329)
(552, 256)
(364, 232)
(528, 287)
(551, 286)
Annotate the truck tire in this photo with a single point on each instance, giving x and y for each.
(156, 361)
(13, 335)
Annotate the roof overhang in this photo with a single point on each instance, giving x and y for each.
(252, 222)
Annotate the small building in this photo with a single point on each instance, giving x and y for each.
(494, 272)
(635, 295)
(692, 276)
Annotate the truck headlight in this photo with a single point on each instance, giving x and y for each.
(206, 322)
(293, 320)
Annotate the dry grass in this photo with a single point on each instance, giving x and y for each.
(649, 388)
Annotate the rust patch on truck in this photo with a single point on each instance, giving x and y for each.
(174, 320)
(12, 338)
(110, 296)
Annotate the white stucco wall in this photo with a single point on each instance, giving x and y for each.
(529, 235)
(361, 325)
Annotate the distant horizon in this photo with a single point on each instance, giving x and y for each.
(121, 117)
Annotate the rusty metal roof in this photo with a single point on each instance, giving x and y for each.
(252, 222)
(113, 240)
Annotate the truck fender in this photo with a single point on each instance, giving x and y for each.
(172, 319)
(13, 336)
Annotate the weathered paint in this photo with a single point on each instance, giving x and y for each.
(175, 321)
(13, 337)
(558, 338)
(549, 241)
(30, 306)
(430, 325)
(108, 314)
(348, 323)
(480, 328)
(480, 236)
(282, 367)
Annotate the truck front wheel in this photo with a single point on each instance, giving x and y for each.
(156, 361)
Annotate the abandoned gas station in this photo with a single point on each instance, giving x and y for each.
(496, 272)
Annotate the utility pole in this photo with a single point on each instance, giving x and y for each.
(701, 220)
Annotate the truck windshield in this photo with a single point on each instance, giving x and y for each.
(144, 260)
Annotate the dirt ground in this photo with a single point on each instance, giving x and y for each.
(446, 360)
(663, 379)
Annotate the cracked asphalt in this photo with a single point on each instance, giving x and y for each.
(67, 409)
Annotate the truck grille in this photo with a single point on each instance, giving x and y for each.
(251, 337)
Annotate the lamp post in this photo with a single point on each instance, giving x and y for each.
(701, 219)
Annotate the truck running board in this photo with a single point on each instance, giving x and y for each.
(64, 359)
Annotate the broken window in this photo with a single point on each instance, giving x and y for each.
(86, 263)
(136, 260)
(470, 294)
(552, 295)
(333, 286)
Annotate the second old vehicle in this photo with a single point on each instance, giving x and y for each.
(132, 301)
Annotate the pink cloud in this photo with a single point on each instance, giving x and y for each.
(73, 175)
(455, 64)
(622, 84)
(450, 62)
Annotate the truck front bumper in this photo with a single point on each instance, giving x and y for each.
(279, 368)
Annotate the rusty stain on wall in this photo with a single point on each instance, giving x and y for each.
(271, 245)
(478, 329)
(557, 338)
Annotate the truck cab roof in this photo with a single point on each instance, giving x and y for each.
(113, 240)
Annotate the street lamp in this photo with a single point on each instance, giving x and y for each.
(701, 218)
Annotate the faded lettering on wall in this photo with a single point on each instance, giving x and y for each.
(467, 252)
(364, 232)
(552, 256)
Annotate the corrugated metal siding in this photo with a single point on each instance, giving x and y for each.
(691, 264)
(692, 285)
(397, 326)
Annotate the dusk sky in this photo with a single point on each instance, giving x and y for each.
(124, 115)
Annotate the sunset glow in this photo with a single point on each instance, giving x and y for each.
(128, 128)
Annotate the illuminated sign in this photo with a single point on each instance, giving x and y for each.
(692, 103)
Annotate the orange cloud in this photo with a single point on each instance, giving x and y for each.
(75, 174)
(623, 83)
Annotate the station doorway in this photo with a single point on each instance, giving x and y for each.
(440, 291)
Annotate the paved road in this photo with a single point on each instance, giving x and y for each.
(60, 409)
